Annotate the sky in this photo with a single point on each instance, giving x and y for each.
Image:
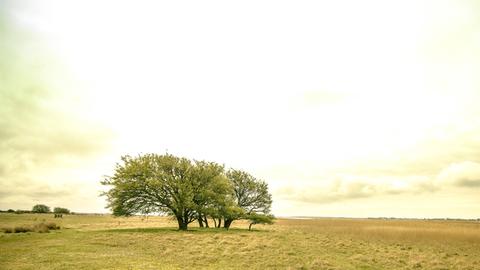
(345, 108)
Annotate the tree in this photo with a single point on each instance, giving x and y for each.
(40, 208)
(255, 218)
(250, 194)
(60, 210)
(211, 189)
(187, 190)
(154, 183)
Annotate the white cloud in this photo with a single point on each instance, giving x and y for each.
(463, 174)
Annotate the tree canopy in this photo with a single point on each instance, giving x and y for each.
(40, 208)
(61, 210)
(255, 218)
(250, 194)
(185, 189)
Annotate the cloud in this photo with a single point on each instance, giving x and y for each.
(355, 187)
(40, 127)
(338, 192)
(464, 174)
(34, 192)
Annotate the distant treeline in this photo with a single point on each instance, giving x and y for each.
(38, 209)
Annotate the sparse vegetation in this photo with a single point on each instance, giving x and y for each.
(41, 227)
(103, 242)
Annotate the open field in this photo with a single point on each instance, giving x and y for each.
(104, 242)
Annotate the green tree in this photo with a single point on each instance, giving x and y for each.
(255, 218)
(60, 210)
(154, 183)
(40, 208)
(211, 190)
(250, 194)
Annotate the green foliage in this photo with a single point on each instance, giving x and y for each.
(250, 194)
(187, 190)
(164, 183)
(40, 208)
(212, 190)
(255, 218)
(60, 210)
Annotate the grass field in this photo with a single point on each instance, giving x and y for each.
(104, 242)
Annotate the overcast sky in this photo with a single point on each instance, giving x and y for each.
(346, 108)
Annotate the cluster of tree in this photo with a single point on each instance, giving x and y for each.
(187, 190)
(42, 208)
(61, 210)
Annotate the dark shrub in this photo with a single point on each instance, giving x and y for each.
(40, 208)
(22, 229)
(60, 210)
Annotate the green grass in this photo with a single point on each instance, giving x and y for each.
(104, 242)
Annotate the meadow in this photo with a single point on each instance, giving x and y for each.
(106, 242)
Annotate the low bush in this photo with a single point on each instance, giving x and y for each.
(52, 226)
(41, 227)
(21, 229)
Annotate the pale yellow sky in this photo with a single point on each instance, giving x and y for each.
(346, 108)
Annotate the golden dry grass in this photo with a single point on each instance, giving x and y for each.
(104, 242)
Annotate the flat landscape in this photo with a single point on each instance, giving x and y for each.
(106, 242)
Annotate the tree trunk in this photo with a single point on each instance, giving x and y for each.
(206, 222)
(200, 221)
(219, 222)
(227, 223)
(182, 224)
(214, 223)
(250, 226)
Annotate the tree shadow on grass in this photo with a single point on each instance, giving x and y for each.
(176, 230)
